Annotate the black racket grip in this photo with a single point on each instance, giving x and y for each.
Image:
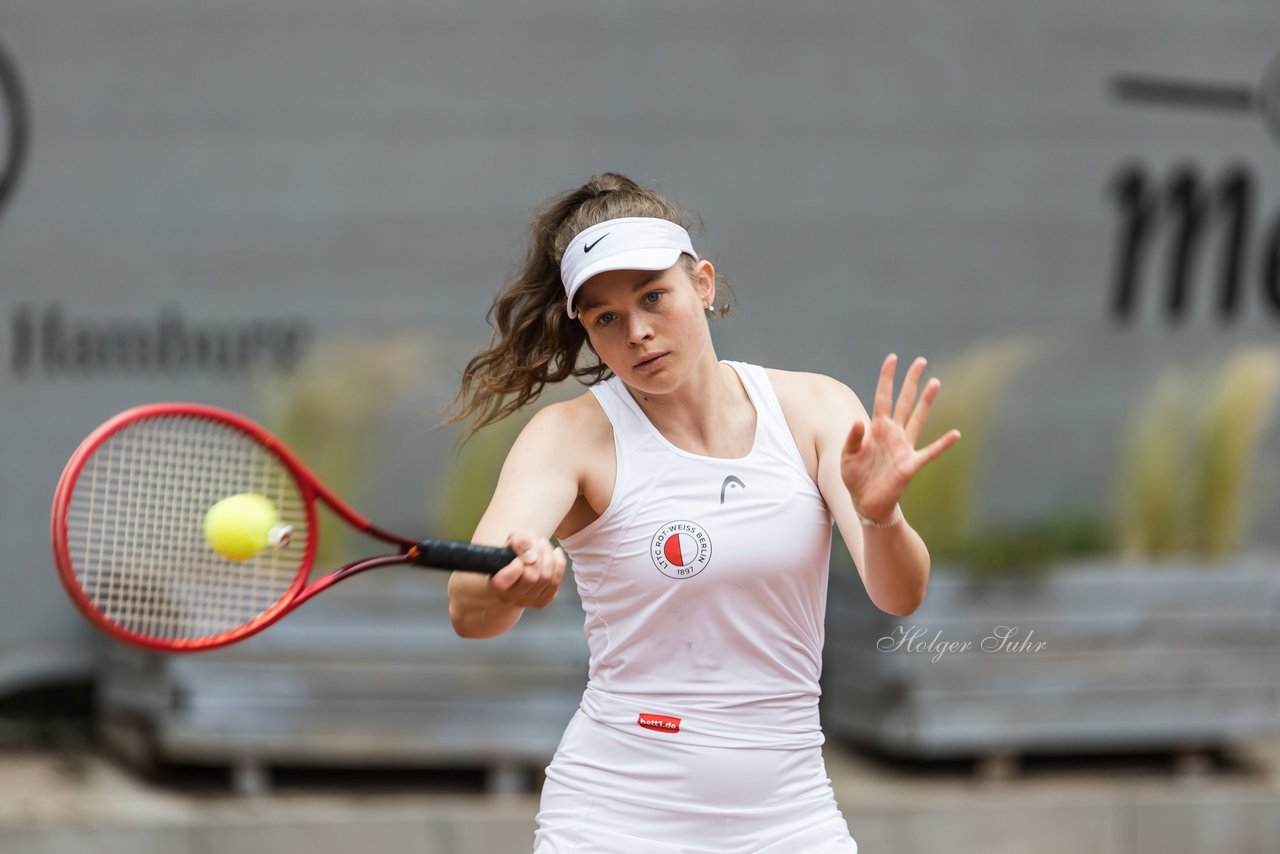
(469, 557)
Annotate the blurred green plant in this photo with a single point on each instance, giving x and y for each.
(328, 410)
(1243, 401)
(1152, 471)
(1035, 547)
(1184, 485)
(469, 483)
(941, 498)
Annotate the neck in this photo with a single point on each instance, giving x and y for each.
(710, 413)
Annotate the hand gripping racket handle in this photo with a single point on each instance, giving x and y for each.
(452, 554)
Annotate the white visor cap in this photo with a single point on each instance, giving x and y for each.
(629, 243)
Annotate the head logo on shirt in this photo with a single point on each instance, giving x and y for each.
(680, 549)
(728, 482)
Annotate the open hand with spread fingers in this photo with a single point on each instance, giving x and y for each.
(880, 458)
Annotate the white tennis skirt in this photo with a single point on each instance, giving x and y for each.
(610, 792)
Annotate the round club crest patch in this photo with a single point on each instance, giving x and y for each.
(680, 549)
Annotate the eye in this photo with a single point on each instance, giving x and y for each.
(605, 318)
(652, 297)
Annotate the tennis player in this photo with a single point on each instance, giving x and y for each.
(696, 498)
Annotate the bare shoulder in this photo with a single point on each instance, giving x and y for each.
(585, 418)
(577, 437)
(819, 411)
(574, 437)
(568, 423)
(807, 396)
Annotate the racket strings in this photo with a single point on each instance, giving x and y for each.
(135, 529)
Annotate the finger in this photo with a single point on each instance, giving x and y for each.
(509, 580)
(553, 573)
(549, 588)
(524, 590)
(916, 422)
(933, 450)
(539, 557)
(506, 578)
(521, 542)
(854, 440)
(884, 387)
(910, 385)
(532, 559)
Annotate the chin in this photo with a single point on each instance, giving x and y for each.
(663, 382)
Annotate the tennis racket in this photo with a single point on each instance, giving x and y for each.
(129, 539)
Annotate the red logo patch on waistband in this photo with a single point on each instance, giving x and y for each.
(660, 723)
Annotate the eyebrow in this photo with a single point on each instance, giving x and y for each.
(587, 306)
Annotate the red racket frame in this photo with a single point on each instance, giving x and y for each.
(310, 488)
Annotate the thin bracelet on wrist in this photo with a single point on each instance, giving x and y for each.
(893, 520)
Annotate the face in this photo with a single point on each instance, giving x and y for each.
(649, 326)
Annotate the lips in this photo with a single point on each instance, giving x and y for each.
(650, 362)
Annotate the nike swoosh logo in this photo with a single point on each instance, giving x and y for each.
(728, 480)
(588, 247)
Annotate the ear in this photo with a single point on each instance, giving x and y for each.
(705, 282)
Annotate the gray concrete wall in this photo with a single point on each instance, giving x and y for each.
(894, 175)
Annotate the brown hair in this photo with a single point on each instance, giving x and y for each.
(534, 341)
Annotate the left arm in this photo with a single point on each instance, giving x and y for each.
(865, 469)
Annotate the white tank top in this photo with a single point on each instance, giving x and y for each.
(704, 584)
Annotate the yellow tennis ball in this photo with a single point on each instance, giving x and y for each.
(239, 526)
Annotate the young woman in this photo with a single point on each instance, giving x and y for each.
(696, 498)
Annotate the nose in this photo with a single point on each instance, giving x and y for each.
(638, 328)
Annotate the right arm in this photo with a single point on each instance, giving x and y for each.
(540, 481)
